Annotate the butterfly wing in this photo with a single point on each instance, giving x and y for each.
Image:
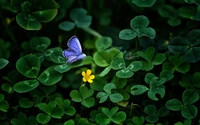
(72, 59)
(74, 44)
(74, 52)
(69, 52)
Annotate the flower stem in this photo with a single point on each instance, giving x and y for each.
(130, 113)
(92, 32)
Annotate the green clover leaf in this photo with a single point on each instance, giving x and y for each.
(84, 96)
(27, 67)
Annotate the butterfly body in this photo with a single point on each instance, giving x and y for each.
(74, 52)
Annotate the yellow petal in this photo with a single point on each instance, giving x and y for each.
(90, 81)
(89, 72)
(84, 80)
(83, 73)
(92, 77)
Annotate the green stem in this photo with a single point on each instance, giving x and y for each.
(93, 67)
(130, 113)
(92, 32)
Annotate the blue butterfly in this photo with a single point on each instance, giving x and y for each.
(74, 52)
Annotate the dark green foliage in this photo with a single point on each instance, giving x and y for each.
(143, 56)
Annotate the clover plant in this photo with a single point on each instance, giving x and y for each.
(103, 62)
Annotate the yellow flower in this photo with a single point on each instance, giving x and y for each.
(87, 76)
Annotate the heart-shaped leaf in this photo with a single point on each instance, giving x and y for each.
(156, 90)
(138, 89)
(108, 87)
(190, 97)
(127, 34)
(75, 95)
(110, 113)
(119, 117)
(103, 96)
(43, 118)
(25, 103)
(116, 97)
(139, 22)
(178, 45)
(3, 63)
(40, 43)
(50, 76)
(174, 104)
(135, 66)
(118, 63)
(103, 58)
(43, 12)
(138, 121)
(89, 102)
(66, 25)
(28, 66)
(62, 68)
(28, 21)
(103, 43)
(25, 86)
(79, 16)
(102, 119)
(144, 3)
(150, 109)
(189, 111)
(124, 73)
(85, 92)
(57, 113)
